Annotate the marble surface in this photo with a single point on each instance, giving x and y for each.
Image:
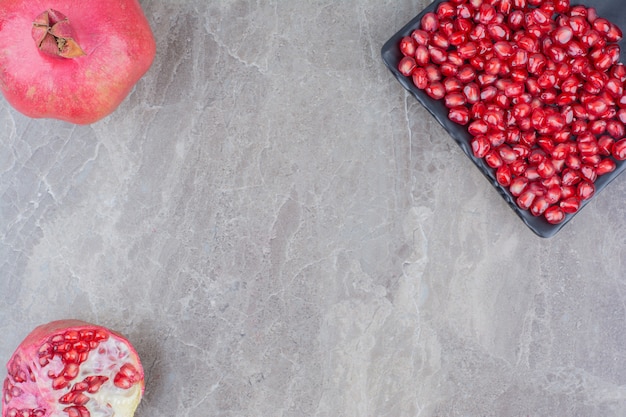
(282, 230)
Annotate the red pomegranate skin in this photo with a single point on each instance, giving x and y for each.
(118, 47)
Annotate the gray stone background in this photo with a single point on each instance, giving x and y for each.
(282, 230)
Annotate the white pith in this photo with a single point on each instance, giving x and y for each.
(109, 401)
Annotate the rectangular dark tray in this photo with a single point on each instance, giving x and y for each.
(613, 10)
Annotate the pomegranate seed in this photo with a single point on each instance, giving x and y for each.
(514, 89)
(619, 149)
(580, 65)
(546, 169)
(503, 175)
(507, 154)
(493, 66)
(486, 13)
(539, 206)
(499, 32)
(618, 71)
(430, 22)
(614, 87)
(437, 55)
(466, 74)
(454, 100)
(554, 215)
(567, 191)
(588, 172)
(536, 63)
(467, 50)
(478, 110)
(605, 166)
(563, 35)
(513, 135)
(525, 200)
(604, 61)
(562, 136)
(592, 14)
(489, 79)
(579, 25)
(605, 145)
(518, 185)
(462, 24)
(60, 382)
(439, 40)
(80, 399)
(597, 127)
(422, 56)
(521, 110)
(406, 66)
(421, 37)
(478, 127)
(448, 69)
(570, 176)
(494, 119)
(614, 34)
(458, 38)
(559, 55)
(77, 411)
(420, 78)
(459, 115)
(570, 205)
(452, 85)
(536, 156)
(433, 73)
(477, 62)
(480, 146)
(592, 160)
(615, 128)
(501, 100)
(436, 90)
(471, 92)
(492, 158)
(559, 164)
(503, 49)
(68, 398)
(590, 39)
(547, 79)
(505, 7)
(553, 193)
(407, 46)
(519, 74)
(585, 190)
(446, 10)
(515, 20)
(478, 32)
(601, 25)
(463, 11)
(597, 107)
(496, 138)
(521, 150)
(573, 161)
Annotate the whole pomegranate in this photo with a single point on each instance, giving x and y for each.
(72, 60)
(75, 369)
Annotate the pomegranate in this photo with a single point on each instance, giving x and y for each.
(75, 369)
(71, 60)
(539, 88)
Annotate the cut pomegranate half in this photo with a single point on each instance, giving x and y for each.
(75, 369)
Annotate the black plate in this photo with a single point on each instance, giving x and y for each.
(614, 10)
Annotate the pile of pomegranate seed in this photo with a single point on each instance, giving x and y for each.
(539, 87)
